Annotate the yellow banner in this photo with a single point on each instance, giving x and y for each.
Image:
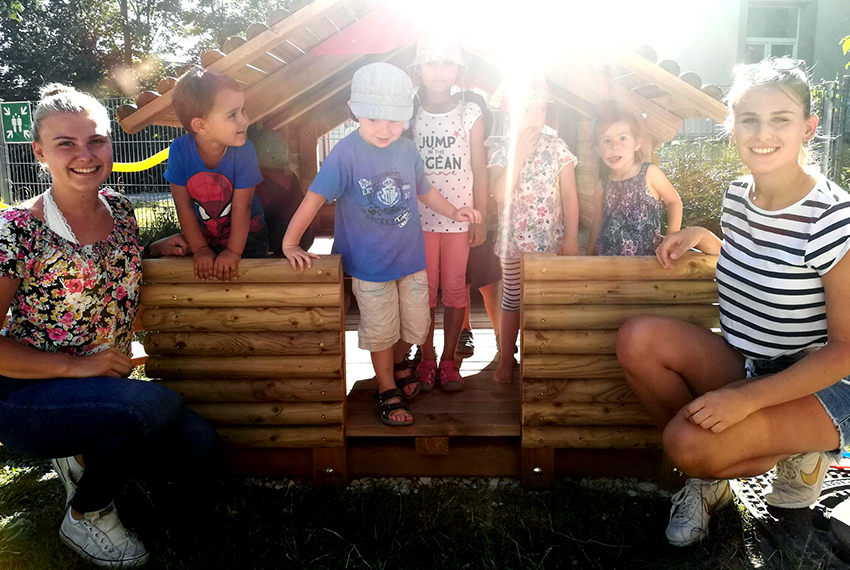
(149, 162)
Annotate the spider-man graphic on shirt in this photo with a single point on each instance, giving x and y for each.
(212, 199)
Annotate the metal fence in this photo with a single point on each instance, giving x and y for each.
(147, 189)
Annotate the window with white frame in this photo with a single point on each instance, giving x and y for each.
(772, 30)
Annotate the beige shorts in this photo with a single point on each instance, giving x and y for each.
(392, 310)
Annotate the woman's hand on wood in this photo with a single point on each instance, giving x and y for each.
(175, 245)
(110, 362)
(675, 245)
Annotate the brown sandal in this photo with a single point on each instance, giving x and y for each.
(386, 409)
(400, 383)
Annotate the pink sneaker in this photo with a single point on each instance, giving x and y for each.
(427, 372)
(450, 378)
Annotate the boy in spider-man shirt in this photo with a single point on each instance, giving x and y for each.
(213, 170)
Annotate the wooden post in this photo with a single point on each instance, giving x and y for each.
(330, 466)
(587, 175)
(308, 159)
(537, 467)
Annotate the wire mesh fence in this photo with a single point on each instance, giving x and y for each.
(147, 189)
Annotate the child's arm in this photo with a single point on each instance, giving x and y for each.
(478, 156)
(434, 200)
(596, 226)
(301, 220)
(204, 256)
(661, 185)
(227, 262)
(569, 206)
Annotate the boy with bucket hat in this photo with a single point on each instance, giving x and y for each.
(376, 177)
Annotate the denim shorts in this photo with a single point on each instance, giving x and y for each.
(835, 399)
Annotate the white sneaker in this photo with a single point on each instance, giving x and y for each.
(101, 539)
(798, 480)
(693, 507)
(69, 472)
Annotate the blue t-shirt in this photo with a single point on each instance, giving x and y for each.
(376, 227)
(211, 189)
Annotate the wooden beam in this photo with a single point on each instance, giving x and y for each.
(708, 106)
(545, 267)
(590, 85)
(339, 80)
(285, 85)
(241, 57)
(327, 269)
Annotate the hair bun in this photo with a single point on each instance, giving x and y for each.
(52, 89)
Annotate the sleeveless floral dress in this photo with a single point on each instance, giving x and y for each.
(631, 217)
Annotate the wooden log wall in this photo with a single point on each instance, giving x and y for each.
(573, 391)
(261, 358)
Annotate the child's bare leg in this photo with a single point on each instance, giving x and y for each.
(428, 350)
(383, 363)
(490, 294)
(467, 323)
(452, 323)
(508, 330)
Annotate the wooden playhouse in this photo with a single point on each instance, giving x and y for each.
(264, 358)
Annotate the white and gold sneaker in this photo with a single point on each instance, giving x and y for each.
(693, 507)
(798, 480)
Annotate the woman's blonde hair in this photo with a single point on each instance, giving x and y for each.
(783, 73)
(58, 98)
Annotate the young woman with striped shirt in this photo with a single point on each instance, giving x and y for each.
(773, 391)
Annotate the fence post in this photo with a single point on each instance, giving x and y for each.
(5, 175)
(826, 148)
(841, 126)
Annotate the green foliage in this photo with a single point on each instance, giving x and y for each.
(701, 171)
(85, 43)
(159, 222)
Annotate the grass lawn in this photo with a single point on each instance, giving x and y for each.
(239, 524)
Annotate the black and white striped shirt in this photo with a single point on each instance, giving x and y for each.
(770, 267)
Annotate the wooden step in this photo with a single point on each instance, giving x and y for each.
(483, 408)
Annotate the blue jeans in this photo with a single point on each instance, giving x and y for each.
(121, 427)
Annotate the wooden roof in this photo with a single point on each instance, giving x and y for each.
(286, 81)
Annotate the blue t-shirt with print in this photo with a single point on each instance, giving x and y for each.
(376, 227)
(211, 189)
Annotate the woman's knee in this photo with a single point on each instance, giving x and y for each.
(636, 340)
(201, 442)
(689, 449)
(161, 409)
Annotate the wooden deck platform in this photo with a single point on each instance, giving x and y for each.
(483, 408)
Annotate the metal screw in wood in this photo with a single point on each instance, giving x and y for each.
(329, 471)
(538, 471)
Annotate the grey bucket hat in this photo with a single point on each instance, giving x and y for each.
(381, 91)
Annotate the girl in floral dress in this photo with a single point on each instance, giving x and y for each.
(533, 180)
(628, 205)
(70, 274)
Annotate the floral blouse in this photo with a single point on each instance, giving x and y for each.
(72, 298)
(531, 219)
